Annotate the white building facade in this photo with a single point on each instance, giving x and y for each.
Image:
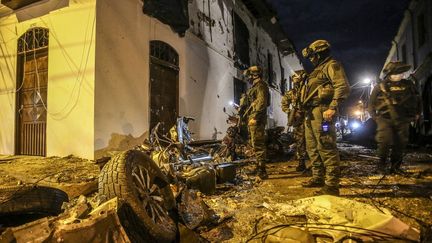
(103, 72)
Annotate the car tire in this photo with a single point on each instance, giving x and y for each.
(134, 177)
(19, 200)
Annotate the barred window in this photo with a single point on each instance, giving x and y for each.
(32, 40)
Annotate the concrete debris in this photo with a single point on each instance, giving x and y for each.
(217, 200)
(102, 224)
(81, 209)
(193, 210)
(73, 175)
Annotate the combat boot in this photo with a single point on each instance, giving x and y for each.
(314, 182)
(328, 190)
(396, 168)
(381, 166)
(262, 174)
(301, 166)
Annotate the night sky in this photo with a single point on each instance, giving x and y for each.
(360, 31)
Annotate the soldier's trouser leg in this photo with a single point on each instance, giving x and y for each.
(257, 140)
(301, 153)
(327, 148)
(325, 142)
(299, 137)
(401, 135)
(384, 138)
(312, 151)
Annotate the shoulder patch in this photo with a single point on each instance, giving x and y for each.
(336, 67)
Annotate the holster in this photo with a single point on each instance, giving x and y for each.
(295, 118)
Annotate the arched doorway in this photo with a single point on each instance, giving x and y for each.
(31, 96)
(164, 85)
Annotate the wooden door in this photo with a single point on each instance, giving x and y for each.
(32, 105)
(164, 85)
(164, 96)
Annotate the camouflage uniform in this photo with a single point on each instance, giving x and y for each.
(291, 105)
(257, 96)
(393, 105)
(243, 106)
(326, 88)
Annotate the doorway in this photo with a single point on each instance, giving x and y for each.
(164, 85)
(31, 95)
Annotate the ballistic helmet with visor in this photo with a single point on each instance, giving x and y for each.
(395, 68)
(253, 70)
(315, 47)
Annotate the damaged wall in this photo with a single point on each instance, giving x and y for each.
(211, 22)
(206, 67)
(122, 70)
(99, 77)
(70, 75)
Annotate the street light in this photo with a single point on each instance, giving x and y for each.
(367, 81)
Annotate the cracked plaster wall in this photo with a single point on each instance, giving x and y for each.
(205, 60)
(71, 58)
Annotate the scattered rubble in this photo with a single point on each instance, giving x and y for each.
(73, 175)
(236, 207)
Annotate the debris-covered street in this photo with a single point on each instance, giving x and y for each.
(247, 206)
(185, 121)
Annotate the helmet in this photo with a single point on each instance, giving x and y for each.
(315, 47)
(395, 68)
(253, 70)
(299, 75)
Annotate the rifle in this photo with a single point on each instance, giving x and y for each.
(296, 115)
(312, 94)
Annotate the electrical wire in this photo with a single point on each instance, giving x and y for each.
(80, 77)
(4, 53)
(369, 232)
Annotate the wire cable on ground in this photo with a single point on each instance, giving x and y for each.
(369, 232)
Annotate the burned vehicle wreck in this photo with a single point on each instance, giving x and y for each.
(159, 178)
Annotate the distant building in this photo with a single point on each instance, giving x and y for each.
(85, 77)
(413, 45)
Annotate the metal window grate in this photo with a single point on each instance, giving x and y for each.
(164, 52)
(33, 40)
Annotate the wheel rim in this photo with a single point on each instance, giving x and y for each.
(150, 196)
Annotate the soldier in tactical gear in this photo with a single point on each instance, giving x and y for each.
(256, 113)
(393, 104)
(291, 105)
(326, 88)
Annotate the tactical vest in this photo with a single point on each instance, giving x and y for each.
(403, 97)
(252, 95)
(320, 84)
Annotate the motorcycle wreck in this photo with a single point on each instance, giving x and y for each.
(153, 177)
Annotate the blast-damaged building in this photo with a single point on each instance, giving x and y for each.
(413, 45)
(85, 77)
